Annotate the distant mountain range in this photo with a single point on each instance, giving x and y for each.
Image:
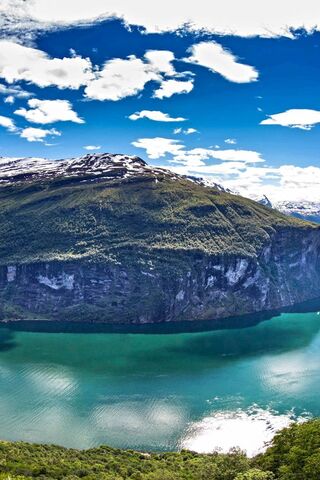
(305, 210)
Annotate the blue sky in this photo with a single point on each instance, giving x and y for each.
(248, 115)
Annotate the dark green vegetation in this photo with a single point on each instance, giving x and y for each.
(111, 220)
(294, 455)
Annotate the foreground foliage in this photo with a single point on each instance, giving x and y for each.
(294, 455)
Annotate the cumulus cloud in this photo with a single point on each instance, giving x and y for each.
(18, 62)
(121, 78)
(13, 92)
(92, 147)
(161, 61)
(158, 147)
(230, 141)
(244, 18)
(242, 171)
(7, 123)
(172, 87)
(37, 134)
(116, 79)
(301, 118)
(219, 60)
(49, 111)
(156, 116)
(287, 182)
(299, 182)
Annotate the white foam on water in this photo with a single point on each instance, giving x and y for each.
(250, 430)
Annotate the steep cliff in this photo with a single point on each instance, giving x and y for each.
(107, 238)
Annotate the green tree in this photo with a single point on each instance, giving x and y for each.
(295, 453)
(255, 474)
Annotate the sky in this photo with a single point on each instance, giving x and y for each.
(225, 90)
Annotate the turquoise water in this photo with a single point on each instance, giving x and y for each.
(160, 392)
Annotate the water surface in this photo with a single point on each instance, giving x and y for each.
(160, 392)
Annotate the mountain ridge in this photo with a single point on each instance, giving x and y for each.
(108, 238)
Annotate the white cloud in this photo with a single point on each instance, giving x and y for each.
(287, 182)
(49, 111)
(187, 131)
(161, 61)
(37, 134)
(190, 131)
(171, 87)
(118, 78)
(10, 99)
(121, 78)
(18, 62)
(199, 154)
(14, 91)
(7, 123)
(298, 183)
(92, 147)
(301, 118)
(156, 116)
(244, 18)
(158, 147)
(219, 60)
(230, 141)
(243, 171)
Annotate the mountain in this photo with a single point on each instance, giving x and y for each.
(264, 200)
(107, 238)
(305, 210)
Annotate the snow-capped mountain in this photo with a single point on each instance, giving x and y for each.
(264, 200)
(91, 167)
(300, 209)
(88, 168)
(304, 209)
(94, 166)
(207, 182)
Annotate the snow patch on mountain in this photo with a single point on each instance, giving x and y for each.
(104, 165)
(89, 167)
(305, 209)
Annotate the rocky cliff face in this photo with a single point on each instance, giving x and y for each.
(153, 248)
(205, 288)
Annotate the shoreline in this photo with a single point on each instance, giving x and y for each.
(173, 327)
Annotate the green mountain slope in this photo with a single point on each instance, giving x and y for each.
(160, 246)
(61, 219)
